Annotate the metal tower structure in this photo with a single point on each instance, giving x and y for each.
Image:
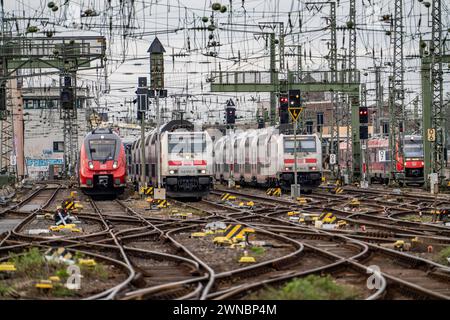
(354, 98)
(6, 113)
(69, 115)
(397, 92)
(438, 112)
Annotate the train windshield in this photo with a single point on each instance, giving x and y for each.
(187, 143)
(413, 149)
(303, 145)
(102, 150)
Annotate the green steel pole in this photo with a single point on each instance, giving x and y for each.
(356, 143)
(426, 118)
(273, 80)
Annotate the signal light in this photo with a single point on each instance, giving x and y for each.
(283, 112)
(230, 115)
(66, 98)
(363, 115)
(363, 132)
(294, 98)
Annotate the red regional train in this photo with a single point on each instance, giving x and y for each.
(102, 165)
(379, 158)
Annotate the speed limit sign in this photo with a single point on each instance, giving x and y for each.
(332, 158)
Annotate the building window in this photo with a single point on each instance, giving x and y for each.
(319, 121)
(58, 146)
(309, 127)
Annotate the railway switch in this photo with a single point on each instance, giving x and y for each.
(198, 234)
(44, 285)
(54, 279)
(7, 267)
(302, 200)
(354, 203)
(87, 262)
(246, 258)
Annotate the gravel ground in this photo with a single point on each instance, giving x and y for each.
(222, 259)
(86, 226)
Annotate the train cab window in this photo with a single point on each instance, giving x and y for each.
(187, 143)
(302, 146)
(102, 150)
(413, 148)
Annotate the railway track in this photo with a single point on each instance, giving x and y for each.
(155, 257)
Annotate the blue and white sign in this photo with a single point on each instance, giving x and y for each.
(43, 162)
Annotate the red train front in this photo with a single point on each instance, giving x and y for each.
(102, 163)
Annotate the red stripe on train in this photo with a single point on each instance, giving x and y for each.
(187, 163)
(309, 160)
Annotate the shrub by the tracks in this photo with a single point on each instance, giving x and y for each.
(442, 256)
(311, 287)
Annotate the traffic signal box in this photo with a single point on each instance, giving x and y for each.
(363, 123)
(294, 99)
(230, 114)
(66, 96)
(284, 112)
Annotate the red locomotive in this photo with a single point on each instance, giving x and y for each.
(378, 158)
(102, 163)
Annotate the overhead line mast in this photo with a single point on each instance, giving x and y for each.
(397, 95)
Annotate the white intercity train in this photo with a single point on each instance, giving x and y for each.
(264, 157)
(186, 160)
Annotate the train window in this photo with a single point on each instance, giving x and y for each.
(302, 146)
(153, 170)
(102, 150)
(413, 148)
(147, 169)
(181, 144)
(309, 127)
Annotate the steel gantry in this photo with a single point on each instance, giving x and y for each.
(354, 97)
(433, 109)
(6, 108)
(397, 95)
(67, 55)
(438, 114)
(315, 81)
(333, 61)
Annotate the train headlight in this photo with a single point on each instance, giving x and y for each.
(313, 168)
(115, 164)
(286, 169)
(203, 171)
(172, 171)
(91, 165)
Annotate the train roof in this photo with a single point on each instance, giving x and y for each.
(107, 133)
(176, 125)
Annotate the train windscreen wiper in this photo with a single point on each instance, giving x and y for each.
(106, 159)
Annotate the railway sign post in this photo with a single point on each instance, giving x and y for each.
(295, 109)
(142, 108)
(156, 51)
(332, 158)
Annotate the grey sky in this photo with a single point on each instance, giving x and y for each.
(173, 21)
